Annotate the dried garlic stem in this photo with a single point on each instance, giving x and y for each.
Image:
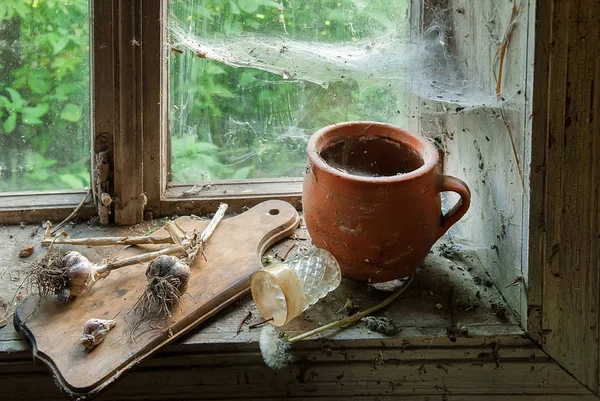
(99, 241)
(144, 257)
(208, 231)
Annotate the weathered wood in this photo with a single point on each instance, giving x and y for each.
(35, 207)
(565, 236)
(155, 100)
(182, 198)
(232, 255)
(208, 362)
(103, 100)
(537, 116)
(129, 197)
(478, 138)
(414, 372)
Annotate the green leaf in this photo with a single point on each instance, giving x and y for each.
(63, 91)
(242, 173)
(5, 102)
(3, 11)
(11, 123)
(245, 78)
(38, 111)
(21, 8)
(234, 8)
(59, 45)
(17, 100)
(71, 113)
(204, 147)
(213, 69)
(71, 181)
(39, 82)
(221, 91)
(248, 6)
(31, 115)
(251, 23)
(85, 176)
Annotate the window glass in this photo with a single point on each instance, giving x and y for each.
(251, 80)
(44, 94)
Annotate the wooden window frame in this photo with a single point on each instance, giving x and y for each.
(564, 218)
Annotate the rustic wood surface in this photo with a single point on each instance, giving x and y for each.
(565, 217)
(451, 291)
(232, 255)
(104, 99)
(129, 197)
(33, 207)
(205, 197)
(155, 100)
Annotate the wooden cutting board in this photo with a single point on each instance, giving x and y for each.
(233, 253)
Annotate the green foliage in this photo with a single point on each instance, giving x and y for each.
(44, 94)
(260, 122)
(226, 123)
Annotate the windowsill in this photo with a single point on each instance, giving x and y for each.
(442, 299)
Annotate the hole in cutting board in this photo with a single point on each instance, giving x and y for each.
(274, 212)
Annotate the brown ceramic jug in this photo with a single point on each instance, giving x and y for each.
(371, 197)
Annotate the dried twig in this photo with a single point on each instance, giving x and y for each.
(244, 320)
(500, 57)
(73, 213)
(100, 241)
(355, 318)
(255, 325)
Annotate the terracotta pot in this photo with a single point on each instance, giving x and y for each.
(371, 197)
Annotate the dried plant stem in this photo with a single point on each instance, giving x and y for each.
(99, 241)
(174, 232)
(73, 213)
(355, 318)
(194, 243)
(177, 235)
(499, 57)
(144, 257)
(208, 231)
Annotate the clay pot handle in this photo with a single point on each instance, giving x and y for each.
(453, 184)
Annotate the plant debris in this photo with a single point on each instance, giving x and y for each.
(48, 275)
(499, 312)
(381, 325)
(274, 347)
(26, 252)
(349, 308)
(244, 320)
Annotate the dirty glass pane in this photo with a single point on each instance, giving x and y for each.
(251, 80)
(44, 94)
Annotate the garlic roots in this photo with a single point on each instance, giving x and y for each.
(168, 279)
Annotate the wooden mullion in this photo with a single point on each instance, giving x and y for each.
(154, 101)
(129, 197)
(102, 15)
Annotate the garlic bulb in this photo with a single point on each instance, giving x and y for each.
(94, 332)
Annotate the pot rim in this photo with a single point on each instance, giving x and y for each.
(430, 155)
